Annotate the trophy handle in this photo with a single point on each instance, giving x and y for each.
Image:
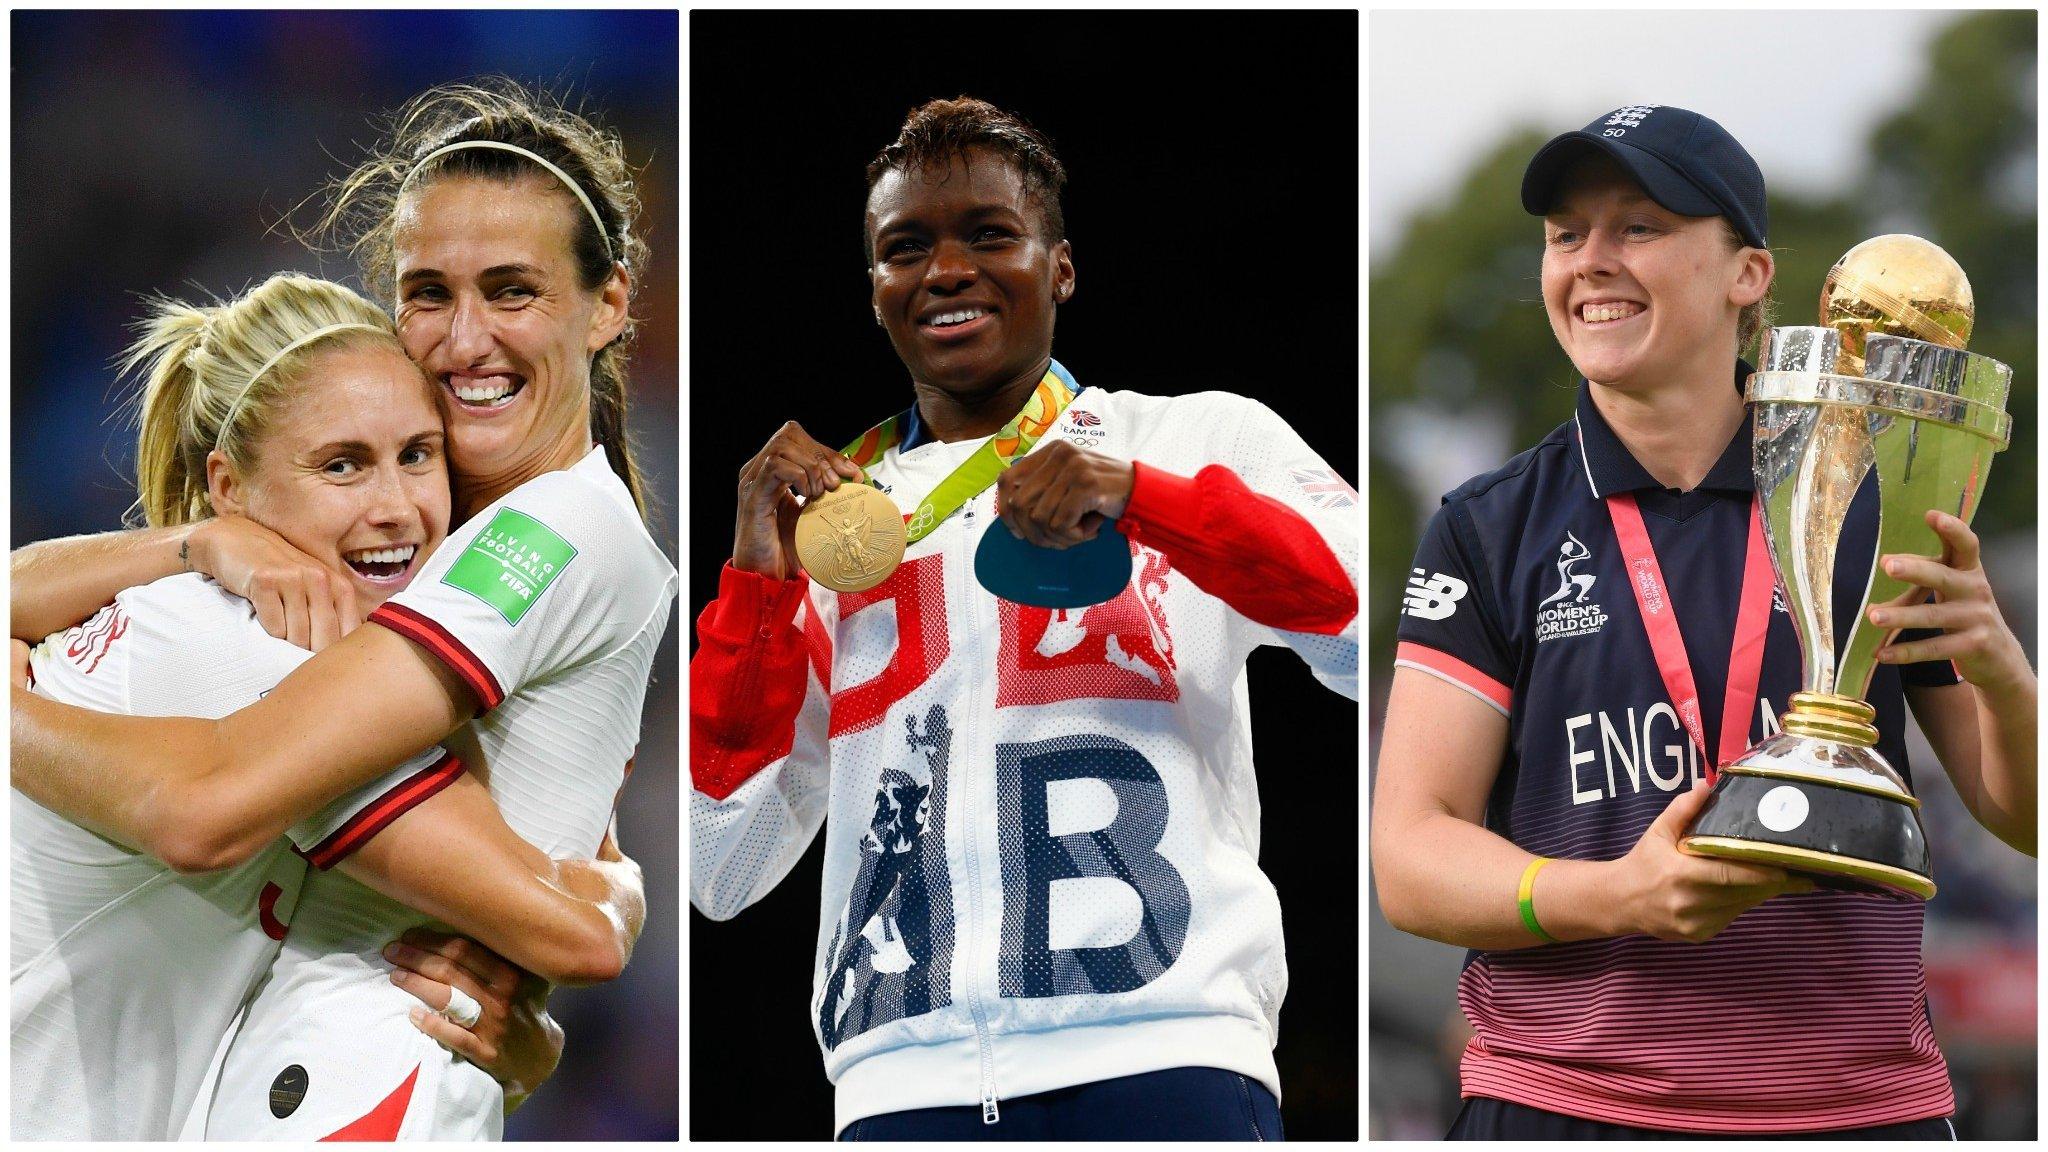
(1935, 456)
(1920, 465)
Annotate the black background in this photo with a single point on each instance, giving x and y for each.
(1212, 204)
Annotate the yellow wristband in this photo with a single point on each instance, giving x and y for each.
(1525, 896)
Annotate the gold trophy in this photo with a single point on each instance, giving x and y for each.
(1884, 385)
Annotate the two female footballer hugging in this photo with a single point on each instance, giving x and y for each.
(280, 873)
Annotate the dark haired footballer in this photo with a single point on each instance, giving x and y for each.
(1044, 916)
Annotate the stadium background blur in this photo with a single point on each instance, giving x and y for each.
(1464, 372)
(1183, 187)
(155, 153)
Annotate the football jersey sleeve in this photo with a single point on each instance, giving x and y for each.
(1447, 629)
(86, 665)
(329, 835)
(184, 647)
(548, 577)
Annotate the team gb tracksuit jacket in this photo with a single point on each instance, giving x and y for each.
(1042, 826)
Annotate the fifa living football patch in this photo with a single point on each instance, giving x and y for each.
(510, 563)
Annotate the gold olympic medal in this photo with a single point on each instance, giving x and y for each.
(851, 538)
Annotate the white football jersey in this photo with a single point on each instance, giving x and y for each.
(550, 604)
(124, 975)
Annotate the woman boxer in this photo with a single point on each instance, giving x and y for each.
(1044, 916)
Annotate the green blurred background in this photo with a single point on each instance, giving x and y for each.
(1463, 372)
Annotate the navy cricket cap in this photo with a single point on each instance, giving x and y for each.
(1686, 162)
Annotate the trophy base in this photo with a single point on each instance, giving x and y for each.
(1824, 809)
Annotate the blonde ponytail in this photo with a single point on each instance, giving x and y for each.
(214, 376)
(170, 486)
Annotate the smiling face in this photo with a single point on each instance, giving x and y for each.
(1639, 296)
(490, 305)
(351, 469)
(964, 277)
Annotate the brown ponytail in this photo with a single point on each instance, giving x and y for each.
(608, 423)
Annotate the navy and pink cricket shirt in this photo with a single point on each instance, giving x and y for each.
(1806, 1013)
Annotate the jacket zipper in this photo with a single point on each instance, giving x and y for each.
(986, 1046)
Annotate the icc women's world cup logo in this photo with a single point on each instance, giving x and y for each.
(1567, 612)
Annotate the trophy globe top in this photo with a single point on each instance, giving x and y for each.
(1899, 285)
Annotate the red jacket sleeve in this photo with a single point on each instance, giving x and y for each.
(1250, 551)
(746, 680)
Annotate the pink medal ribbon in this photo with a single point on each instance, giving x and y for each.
(1660, 620)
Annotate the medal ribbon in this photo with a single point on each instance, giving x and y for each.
(980, 470)
(1660, 620)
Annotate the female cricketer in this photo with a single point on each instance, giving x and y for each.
(1622, 988)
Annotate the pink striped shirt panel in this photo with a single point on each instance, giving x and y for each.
(1808, 1013)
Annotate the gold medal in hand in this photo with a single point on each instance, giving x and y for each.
(851, 538)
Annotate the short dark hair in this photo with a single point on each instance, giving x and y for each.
(938, 130)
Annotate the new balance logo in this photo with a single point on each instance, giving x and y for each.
(1433, 597)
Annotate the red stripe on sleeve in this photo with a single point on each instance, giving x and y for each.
(1445, 666)
(379, 814)
(383, 1121)
(446, 648)
(1248, 550)
(747, 680)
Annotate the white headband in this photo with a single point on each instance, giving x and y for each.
(235, 409)
(516, 150)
